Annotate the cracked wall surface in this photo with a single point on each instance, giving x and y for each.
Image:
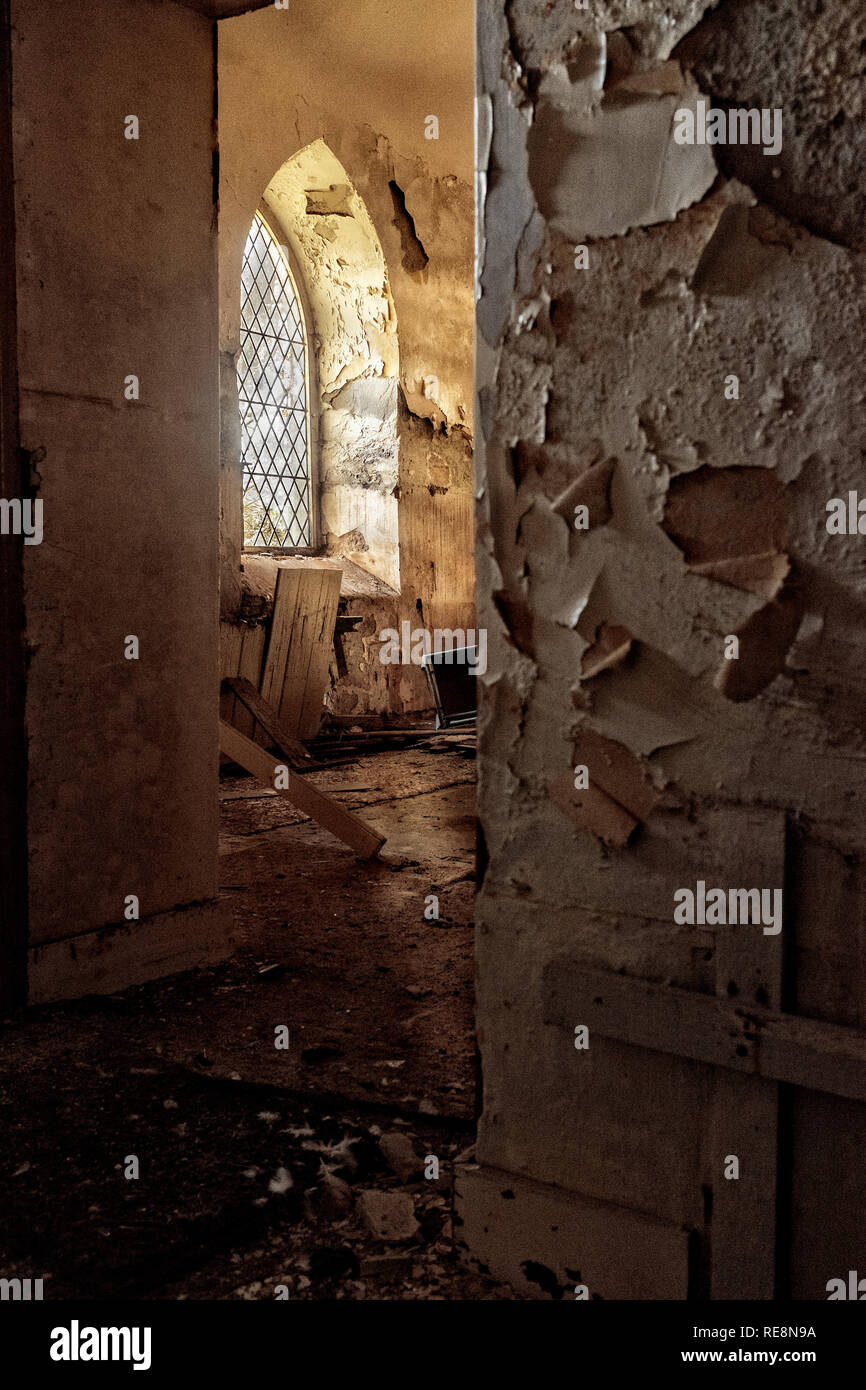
(625, 280)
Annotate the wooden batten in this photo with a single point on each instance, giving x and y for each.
(322, 808)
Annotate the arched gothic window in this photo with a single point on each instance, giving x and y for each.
(273, 392)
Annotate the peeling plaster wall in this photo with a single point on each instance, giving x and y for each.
(325, 73)
(605, 388)
(117, 275)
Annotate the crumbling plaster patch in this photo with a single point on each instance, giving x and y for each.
(574, 145)
(808, 58)
(540, 32)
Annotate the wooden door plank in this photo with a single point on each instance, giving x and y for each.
(322, 808)
(289, 699)
(751, 1041)
(744, 1114)
(743, 1123)
(231, 638)
(285, 606)
(320, 657)
(261, 575)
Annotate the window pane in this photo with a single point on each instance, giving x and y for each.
(272, 391)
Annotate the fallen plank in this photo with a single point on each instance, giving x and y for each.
(294, 752)
(347, 827)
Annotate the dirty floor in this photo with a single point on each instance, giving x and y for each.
(266, 1171)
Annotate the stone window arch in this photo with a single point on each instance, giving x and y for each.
(332, 252)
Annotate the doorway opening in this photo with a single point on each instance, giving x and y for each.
(379, 951)
(347, 324)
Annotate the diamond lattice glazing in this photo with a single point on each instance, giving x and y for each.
(272, 392)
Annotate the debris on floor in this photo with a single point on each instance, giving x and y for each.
(320, 1170)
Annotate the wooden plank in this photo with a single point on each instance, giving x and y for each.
(744, 1121)
(282, 623)
(620, 1253)
(294, 753)
(348, 827)
(323, 625)
(289, 699)
(231, 641)
(114, 957)
(752, 1041)
(250, 669)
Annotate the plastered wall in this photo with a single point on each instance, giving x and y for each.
(117, 276)
(640, 508)
(362, 81)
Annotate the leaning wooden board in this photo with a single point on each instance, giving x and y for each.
(324, 626)
(242, 650)
(295, 673)
(322, 808)
(250, 668)
(291, 599)
(231, 641)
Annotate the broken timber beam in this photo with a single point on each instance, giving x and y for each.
(322, 808)
(264, 714)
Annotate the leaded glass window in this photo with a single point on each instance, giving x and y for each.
(272, 391)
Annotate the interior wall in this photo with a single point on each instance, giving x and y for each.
(117, 277)
(605, 383)
(326, 72)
